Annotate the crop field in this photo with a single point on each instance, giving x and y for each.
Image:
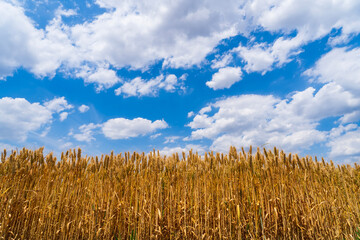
(263, 194)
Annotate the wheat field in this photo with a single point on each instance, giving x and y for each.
(265, 194)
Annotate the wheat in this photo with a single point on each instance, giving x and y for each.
(241, 195)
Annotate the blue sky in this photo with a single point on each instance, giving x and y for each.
(178, 75)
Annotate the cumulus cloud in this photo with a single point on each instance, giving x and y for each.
(86, 132)
(127, 34)
(190, 114)
(344, 144)
(350, 117)
(141, 87)
(254, 120)
(225, 78)
(234, 113)
(63, 116)
(10, 58)
(83, 108)
(259, 120)
(184, 77)
(341, 66)
(221, 61)
(171, 139)
(45, 51)
(192, 30)
(330, 101)
(41, 51)
(262, 57)
(258, 58)
(19, 117)
(122, 128)
(58, 105)
(104, 78)
(341, 129)
(16, 32)
(309, 20)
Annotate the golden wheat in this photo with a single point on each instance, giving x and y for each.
(265, 195)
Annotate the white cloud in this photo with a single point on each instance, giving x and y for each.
(341, 66)
(291, 141)
(140, 87)
(104, 78)
(63, 116)
(205, 109)
(225, 78)
(168, 151)
(200, 121)
(171, 139)
(19, 117)
(308, 19)
(41, 51)
(65, 12)
(262, 57)
(58, 105)
(192, 31)
(338, 131)
(221, 61)
(83, 108)
(184, 77)
(121, 128)
(86, 132)
(311, 20)
(345, 144)
(350, 117)
(17, 33)
(44, 51)
(233, 113)
(339, 40)
(127, 35)
(190, 114)
(258, 120)
(258, 58)
(169, 84)
(330, 101)
(339, 69)
(155, 135)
